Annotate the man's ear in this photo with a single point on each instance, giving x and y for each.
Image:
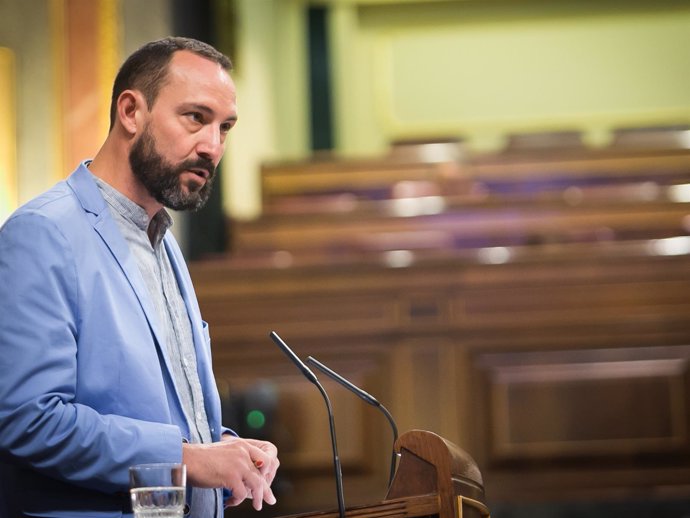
(130, 107)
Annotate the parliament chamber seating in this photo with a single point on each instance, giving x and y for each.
(529, 306)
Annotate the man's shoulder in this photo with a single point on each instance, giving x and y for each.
(54, 196)
(55, 204)
(62, 201)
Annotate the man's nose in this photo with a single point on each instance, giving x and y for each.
(210, 144)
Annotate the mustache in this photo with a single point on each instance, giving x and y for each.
(198, 163)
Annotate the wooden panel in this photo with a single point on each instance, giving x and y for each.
(418, 379)
(583, 409)
(303, 316)
(561, 290)
(588, 423)
(307, 440)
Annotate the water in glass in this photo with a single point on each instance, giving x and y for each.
(158, 502)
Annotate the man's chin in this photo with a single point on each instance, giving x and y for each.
(188, 201)
(185, 196)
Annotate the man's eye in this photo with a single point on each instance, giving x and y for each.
(196, 117)
(226, 127)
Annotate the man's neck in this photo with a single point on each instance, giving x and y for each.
(112, 166)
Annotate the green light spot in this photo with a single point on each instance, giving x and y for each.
(256, 419)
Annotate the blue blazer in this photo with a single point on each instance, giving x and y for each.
(85, 385)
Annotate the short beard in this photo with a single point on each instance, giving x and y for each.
(162, 179)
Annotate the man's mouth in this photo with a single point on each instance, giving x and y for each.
(202, 173)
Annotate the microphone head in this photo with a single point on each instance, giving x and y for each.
(365, 396)
(295, 359)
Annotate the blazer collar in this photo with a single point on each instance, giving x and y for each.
(85, 189)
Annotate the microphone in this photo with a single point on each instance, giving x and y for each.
(368, 398)
(331, 421)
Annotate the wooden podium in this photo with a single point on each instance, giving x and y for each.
(435, 479)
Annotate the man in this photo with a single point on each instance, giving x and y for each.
(105, 361)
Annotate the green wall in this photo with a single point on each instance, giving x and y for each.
(480, 70)
(471, 69)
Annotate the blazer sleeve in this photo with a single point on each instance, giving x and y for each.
(42, 426)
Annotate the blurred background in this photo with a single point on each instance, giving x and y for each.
(477, 210)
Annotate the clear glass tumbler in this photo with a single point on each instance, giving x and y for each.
(158, 490)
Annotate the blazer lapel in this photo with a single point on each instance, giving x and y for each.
(92, 201)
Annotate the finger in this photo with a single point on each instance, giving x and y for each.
(254, 484)
(267, 447)
(269, 471)
(232, 502)
(239, 494)
(261, 460)
(269, 497)
(275, 464)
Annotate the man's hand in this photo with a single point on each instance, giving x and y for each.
(245, 466)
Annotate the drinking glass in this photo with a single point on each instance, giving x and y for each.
(158, 490)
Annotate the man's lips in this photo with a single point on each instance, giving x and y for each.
(203, 173)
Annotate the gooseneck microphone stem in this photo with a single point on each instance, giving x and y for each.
(368, 398)
(331, 421)
(336, 458)
(394, 456)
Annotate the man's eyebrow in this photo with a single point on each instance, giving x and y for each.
(207, 110)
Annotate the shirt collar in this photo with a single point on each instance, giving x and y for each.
(155, 227)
